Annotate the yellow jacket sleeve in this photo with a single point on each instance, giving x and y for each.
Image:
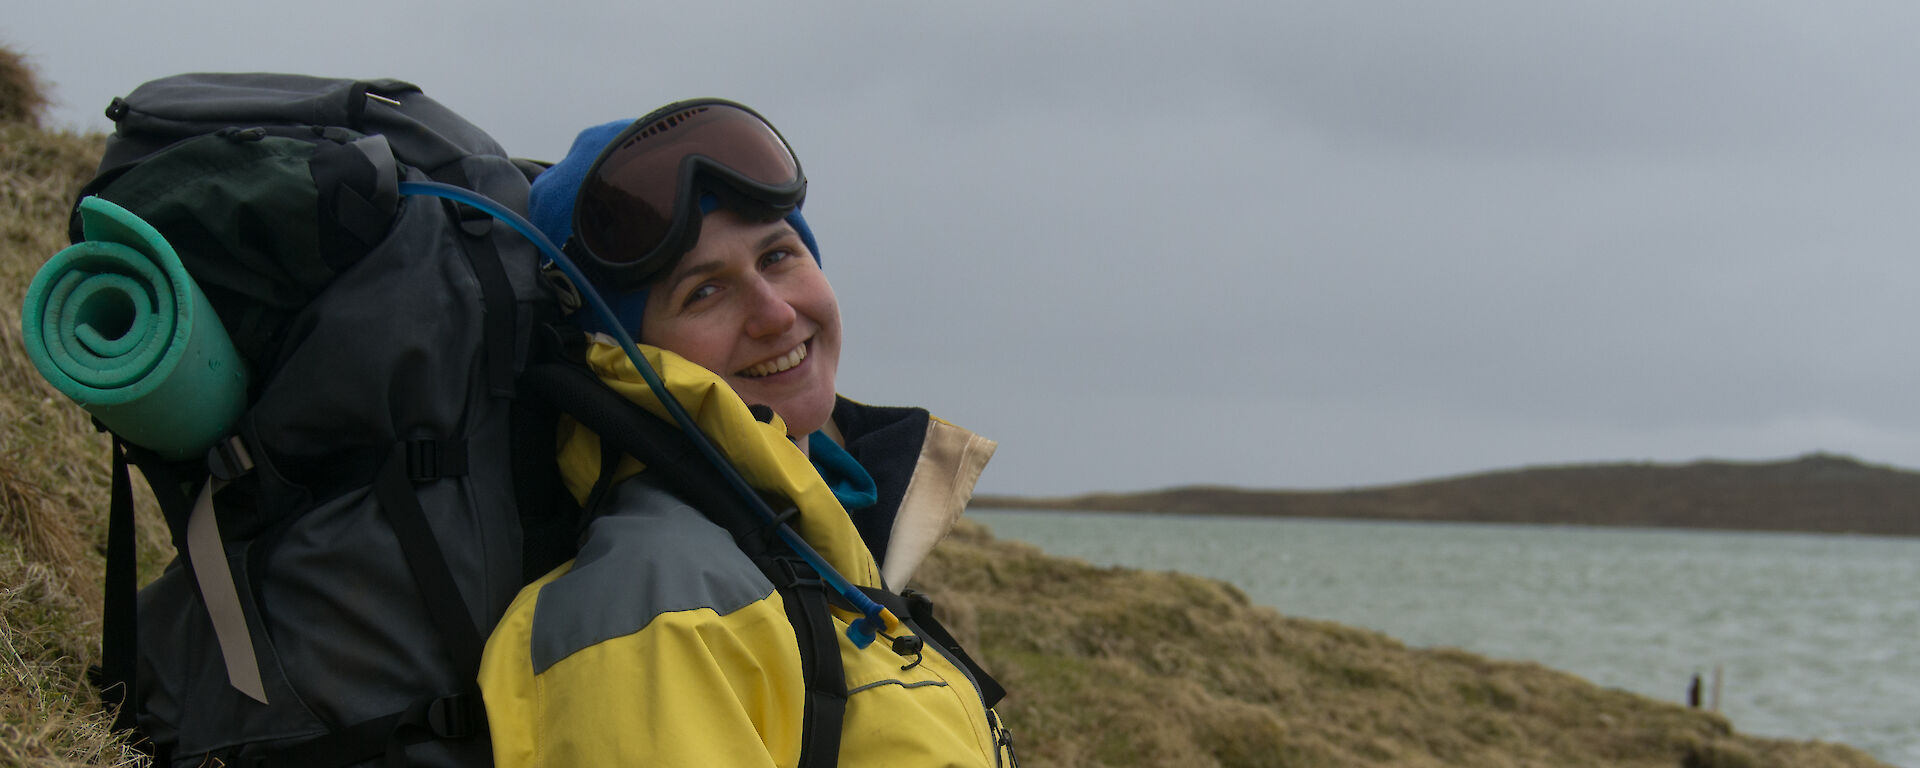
(692, 687)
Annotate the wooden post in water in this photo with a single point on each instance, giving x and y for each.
(1714, 704)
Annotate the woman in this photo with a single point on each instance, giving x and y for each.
(662, 643)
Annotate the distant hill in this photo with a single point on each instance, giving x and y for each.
(1814, 493)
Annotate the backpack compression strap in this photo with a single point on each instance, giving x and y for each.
(119, 622)
(116, 676)
(496, 289)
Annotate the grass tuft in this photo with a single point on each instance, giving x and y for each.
(49, 715)
(22, 100)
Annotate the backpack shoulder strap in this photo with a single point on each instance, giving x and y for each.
(672, 459)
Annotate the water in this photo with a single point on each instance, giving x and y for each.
(1818, 637)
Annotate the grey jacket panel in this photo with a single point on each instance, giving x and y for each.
(651, 556)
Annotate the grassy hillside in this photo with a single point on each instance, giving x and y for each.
(1817, 493)
(52, 470)
(1108, 667)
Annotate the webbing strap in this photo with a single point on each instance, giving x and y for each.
(549, 515)
(445, 606)
(496, 290)
(435, 459)
(826, 700)
(208, 554)
(119, 623)
(602, 485)
(460, 716)
(626, 428)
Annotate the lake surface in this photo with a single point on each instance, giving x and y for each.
(1817, 636)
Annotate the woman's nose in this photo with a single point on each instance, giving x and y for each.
(768, 312)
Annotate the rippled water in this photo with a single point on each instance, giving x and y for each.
(1818, 637)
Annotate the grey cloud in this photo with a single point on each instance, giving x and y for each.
(1265, 243)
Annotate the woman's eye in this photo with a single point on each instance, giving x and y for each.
(774, 257)
(699, 293)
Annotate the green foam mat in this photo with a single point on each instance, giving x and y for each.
(115, 323)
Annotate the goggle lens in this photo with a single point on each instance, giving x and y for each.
(633, 202)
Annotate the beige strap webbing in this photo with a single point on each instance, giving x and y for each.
(209, 558)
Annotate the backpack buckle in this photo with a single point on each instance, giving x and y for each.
(435, 459)
(454, 717)
(562, 288)
(228, 459)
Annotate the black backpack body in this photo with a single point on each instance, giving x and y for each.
(366, 508)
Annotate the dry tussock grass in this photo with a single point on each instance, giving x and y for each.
(29, 516)
(52, 463)
(53, 471)
(21, 97)
(49, 715)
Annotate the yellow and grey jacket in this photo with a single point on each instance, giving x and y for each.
(661, 643)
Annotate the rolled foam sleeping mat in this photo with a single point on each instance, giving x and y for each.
(115, 323)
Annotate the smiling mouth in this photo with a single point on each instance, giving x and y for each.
(777, 364)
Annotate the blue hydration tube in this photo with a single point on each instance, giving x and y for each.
(876, 617)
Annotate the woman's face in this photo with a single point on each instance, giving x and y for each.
(750, 304)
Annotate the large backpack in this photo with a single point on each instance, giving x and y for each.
(365, 516)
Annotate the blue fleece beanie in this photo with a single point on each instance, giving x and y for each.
(550, 207)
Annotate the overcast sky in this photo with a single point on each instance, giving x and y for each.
(1266, 244)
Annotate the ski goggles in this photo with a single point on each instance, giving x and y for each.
(638, 208)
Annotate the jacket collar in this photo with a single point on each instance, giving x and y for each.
(924, 468)
(765, 458)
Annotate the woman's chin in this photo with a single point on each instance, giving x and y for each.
(803, 409)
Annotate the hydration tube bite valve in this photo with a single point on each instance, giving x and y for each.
(875, 618)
